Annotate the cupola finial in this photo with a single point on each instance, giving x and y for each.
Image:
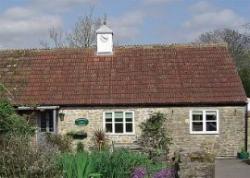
(105, 19)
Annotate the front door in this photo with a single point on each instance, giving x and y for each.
(46, 124)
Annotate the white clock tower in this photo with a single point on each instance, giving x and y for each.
(104, 40)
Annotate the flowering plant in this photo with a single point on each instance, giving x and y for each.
(139, 172)
(165, 173)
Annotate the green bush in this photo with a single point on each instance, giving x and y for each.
(118, 164)
(20, 158)
(154, 136)
(77, 165)
(61, 142)
(79, 147)
(12, 123)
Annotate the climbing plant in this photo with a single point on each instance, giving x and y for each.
(154, 134)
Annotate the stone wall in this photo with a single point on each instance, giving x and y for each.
(196, 165)
(229, 140)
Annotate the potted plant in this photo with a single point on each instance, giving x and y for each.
(243, 154)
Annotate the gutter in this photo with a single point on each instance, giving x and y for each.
(21, 108)
(152, 104)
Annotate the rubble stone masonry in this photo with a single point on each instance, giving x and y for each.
(226, 143)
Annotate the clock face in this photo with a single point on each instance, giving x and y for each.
(104, 38)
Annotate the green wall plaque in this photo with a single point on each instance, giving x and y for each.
(81, 121)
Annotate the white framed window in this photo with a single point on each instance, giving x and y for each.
(204, 121)
(118, 122)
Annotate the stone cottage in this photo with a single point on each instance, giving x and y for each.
(116, 88)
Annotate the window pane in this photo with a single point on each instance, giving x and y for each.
(210, 115)
(128, 119)
(129, 127)
(118, 114)
(108, 115)
(197, 116)
(211, 126)
(118, 119)
(109, 128)
(109, 120)
(43, 125)
(129, 115)
(118, 128)
(51, 125)
(51, 122)
(197, 126)
(197, 112)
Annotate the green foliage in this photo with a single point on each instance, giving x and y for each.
(118, 164)
(68, 165)
(61, 142)
(154, 133)
(77, 165)
(20, 158)
(79, 147)
(100, 139)
(11, 123)
(245, 78)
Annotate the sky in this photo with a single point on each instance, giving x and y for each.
(25, 23)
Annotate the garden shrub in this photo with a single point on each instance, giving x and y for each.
(118, 164)
(79, 147)
(11, 122)
(62, 142)
(19, 158)
(154, 134)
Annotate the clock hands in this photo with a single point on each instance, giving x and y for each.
(104, 38)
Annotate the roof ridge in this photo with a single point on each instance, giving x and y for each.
(41, 49)
(173, 45)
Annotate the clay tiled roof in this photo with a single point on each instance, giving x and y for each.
(159, 75)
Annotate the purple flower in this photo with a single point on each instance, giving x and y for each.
(165, 173)
(139, 173)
